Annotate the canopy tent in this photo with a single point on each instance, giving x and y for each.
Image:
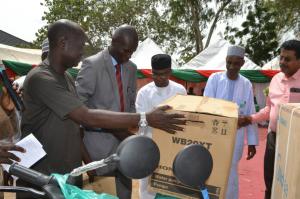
(19, 61)
(146, 49)
(272, 65)
(259, 76)
(213, 58)
(189, 75)
(30, 56)
(185, 75)
(210, 60)
(19, 55)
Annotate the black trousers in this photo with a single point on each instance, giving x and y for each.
(269, 160)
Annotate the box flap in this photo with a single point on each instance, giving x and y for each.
(198, 104)
(289, 107)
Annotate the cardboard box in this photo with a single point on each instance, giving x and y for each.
(101, 185)
(212, 123)
(286, 180)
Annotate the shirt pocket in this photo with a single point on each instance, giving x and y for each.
(294, 97)
(242, 107)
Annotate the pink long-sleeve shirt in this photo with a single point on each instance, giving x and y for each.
(279, 93)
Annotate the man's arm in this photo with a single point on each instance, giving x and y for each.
(252, 131)
(6, 157)
(262, 115)
(157, 118)
(66, 105)
(6, 102)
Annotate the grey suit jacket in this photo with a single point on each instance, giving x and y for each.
(97, 87)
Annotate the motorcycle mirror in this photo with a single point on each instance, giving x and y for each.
(192, 166)
(137, 156)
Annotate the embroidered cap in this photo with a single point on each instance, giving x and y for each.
(236, 51)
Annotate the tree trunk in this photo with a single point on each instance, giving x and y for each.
(195, 24)
(216, 18)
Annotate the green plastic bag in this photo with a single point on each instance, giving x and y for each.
(73, 192)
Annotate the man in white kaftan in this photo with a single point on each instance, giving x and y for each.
(151, 95)
(231, 86)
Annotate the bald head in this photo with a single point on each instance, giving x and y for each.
(125, 31)
(124, 43)
(63, 28)
(66, 43)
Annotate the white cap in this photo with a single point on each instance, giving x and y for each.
(236, 51)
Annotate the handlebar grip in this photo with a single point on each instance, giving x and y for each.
(31, 176)
(53, 192)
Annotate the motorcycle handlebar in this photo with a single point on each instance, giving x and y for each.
(31, 176)
(47, 183)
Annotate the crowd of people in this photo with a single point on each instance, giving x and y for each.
(85, 120)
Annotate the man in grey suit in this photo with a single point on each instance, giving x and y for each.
(107, 80)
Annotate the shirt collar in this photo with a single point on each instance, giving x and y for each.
(296, 76)
(114, 61)
(231, 79)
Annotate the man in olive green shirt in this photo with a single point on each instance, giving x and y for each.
(53, 112)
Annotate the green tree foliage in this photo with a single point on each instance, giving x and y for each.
(258, 34)
(178, 25)
(188, 22)
(289, 17)
(97, 17)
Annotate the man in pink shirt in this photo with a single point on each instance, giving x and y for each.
(284, 88)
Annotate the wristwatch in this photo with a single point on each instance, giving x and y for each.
(143, 122)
